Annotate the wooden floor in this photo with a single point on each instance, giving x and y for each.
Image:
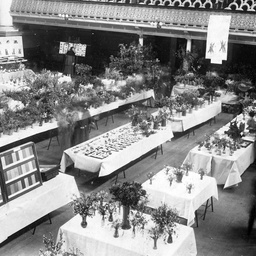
(223, 232)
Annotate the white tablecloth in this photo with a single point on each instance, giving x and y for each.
(183, 123)
(177, 196)
(37, 203)
(23, 134)
(225, 168)
(117, 159)
(95, 240)
(179, 89)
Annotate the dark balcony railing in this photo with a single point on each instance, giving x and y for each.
(228, 5)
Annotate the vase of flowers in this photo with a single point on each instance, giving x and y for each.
(83, 205)
(155, 233)
(116, 224)
(165, 220)
(201, 172)
(128, 194)
(187, 167)
(189, 187)
(178, 172)
(150, 176)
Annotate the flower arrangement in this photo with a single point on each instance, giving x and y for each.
(201, 172)
(128, 193)
(235, 130)
(155, 233)
(83, 205)
(101, 196)
(150, 176)
(52, 248)
(136, 114)
(187, 167)
(170, 178)
(189, 186)
(165, 217)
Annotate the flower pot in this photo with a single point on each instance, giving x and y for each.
(179, 177)
(155, 126)
(126, 222)
(116, 234)
(84, 222)
(163, 122)
(184, 113)
(169, 239)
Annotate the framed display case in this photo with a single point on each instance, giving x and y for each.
(19, 172)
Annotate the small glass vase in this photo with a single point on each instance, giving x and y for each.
(84, 222)
(126, 222)
(116, 233)
(155, 242)
(110, 217)
(169, 239)
(150, 181)
(201, 176)
(163, 122)
(179, 177)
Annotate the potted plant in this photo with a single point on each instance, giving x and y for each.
(128, 194)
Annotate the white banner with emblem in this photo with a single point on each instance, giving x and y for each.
(11, 46)
(217, 38)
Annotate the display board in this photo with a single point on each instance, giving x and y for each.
(80, 49)
(19, 170)
(11, 46)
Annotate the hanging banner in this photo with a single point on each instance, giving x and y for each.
(11, 46)
(80, 49)
(217, 38)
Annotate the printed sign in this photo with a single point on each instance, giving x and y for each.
(217, 38)
(80, 49)
(11, 46)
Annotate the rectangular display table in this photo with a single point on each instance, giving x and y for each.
(183, 123)
(21, 212)
(226, 169)
(97, 240)
(115, 160)
(177, 196)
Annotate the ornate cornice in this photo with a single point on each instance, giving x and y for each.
(131, 18)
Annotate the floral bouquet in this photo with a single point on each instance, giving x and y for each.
(178, 172)
(165, 216)
(150, 176)
(170, 178)
(187, 167)
(128, 193)
(83, 205)
(201, 172)
(101, 196)
(189, 187)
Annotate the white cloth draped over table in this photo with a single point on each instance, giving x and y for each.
(176, 196)
(225, 168)
(183, 123)
(97, 240)
(117, 159)
(29, 132)
(37, 203)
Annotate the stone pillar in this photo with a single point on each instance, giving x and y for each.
(141, 40)
(189, 44)
(6, 23)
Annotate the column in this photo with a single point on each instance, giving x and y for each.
(141, 39)
(189, 44)
(6, 23)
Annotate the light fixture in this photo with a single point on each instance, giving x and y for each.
(158, 24)
(64, 16)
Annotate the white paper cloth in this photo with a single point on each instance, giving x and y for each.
(95, 240)
(177, 196)
(37, 203)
